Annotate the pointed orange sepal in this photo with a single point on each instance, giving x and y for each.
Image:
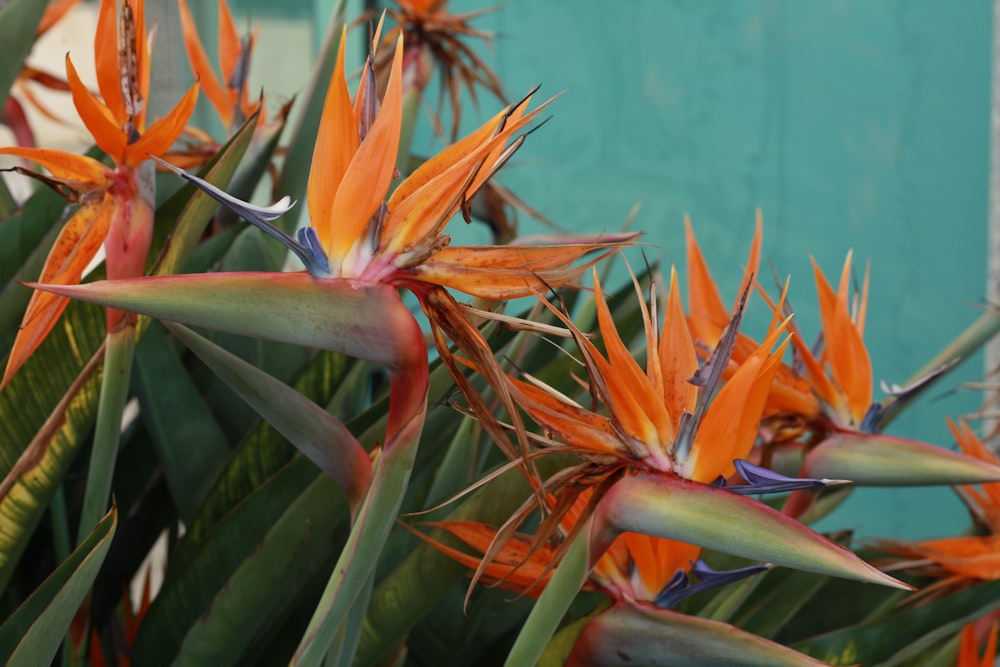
(162, 134)
(215, 91)
(78, 172)
(99, 120)
(75, 247)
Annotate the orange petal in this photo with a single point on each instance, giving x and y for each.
(142, 57)
(99, 119)
(216, 93)
(973, 557)
(708, 313)
(505, 272)
(106, 62)
(53, 13)
(367, 178)
(629, 376)
(576, 426)
(162, 134)
(677, 356)
(512, 564)
(75, 247)
(657, 559)
(79, 172)
(731, 422)
(845, 350)
(336, 144)
(230, 44)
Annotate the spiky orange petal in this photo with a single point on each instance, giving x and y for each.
(75, 247)
(367, 178)
(162, 134)
(215, 91)
(336, 143)
(102, 123)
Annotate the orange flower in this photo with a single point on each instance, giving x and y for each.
(968, 652)
(116, 203)
(434, 40)
(962, 561)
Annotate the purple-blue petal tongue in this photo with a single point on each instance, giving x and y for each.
(680, 586)
(761, 480)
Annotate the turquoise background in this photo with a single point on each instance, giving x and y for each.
(850, 124)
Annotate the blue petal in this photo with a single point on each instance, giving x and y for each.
(307, 247)
(679, 588)
(761, 480)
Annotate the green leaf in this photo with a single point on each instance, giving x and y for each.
(18, 22)
(364, 544)
(34, 633)
(879, 639)
(412, 589)
(315, 432)
(293, 501)
(165, 390)
(46, 413)
(269, 579)
(25, 240)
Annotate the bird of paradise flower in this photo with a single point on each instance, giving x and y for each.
(819, 413)
(360, 248)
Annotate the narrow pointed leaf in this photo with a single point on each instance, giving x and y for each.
(630, 634)
(165, 389)
(714, 518)
(34, 633)
(46, 414)
(333, 314)
(881, 460)
(879, 639)
(357, 561)
(18, 21)
(313, 430)
(302, 540)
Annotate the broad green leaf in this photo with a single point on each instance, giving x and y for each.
(46, 414)
(191, 584)
(878, 640)
(633, 634)
(315, 432)
(18, 21)
(259, 456)
(364, 544)
(566, 581)
(413, 588)
(33, 634)
(193, 450)
(269, 579)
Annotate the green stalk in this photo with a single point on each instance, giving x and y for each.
(552, 604)
(110, 406)
(356, 564)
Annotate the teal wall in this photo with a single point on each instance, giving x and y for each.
(851, 124)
